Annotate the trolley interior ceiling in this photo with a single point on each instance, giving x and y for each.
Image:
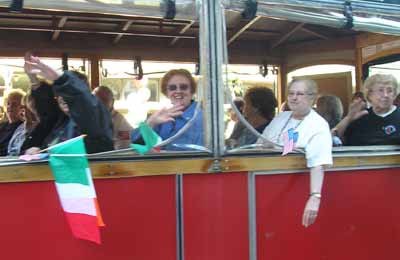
(112, 30)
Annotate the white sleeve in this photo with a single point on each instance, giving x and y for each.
(319, 148)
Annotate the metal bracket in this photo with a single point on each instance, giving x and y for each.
(215, 166)
(348, 13)
(16, 6)
(137, 67)
(251, 9)
(275, 70)
(264, 68)
(83, 67)
(197, 69)
(65, 61)
(170, 9)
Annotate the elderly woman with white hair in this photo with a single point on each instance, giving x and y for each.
(377, 125)
(307, 130)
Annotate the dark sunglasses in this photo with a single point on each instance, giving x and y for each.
(182, 87)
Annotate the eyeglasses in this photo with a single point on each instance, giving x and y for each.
(299, 94)
(382, 91)
(181, 87)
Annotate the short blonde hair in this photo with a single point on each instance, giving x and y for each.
(13, 93)
(384, 79)
(311, 85)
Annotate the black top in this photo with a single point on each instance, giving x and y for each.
(49, 113)
(6, 132)
(87, 115)
(372, 129)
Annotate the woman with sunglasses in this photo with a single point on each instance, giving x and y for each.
(303, 128)
(178, 86)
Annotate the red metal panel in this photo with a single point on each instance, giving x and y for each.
(215, 217)
(359, 217)
(139, 214)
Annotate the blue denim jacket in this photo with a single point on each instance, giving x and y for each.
(192, 135)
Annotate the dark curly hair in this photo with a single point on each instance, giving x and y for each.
(263, 99)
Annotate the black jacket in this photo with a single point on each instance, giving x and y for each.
(49, 113)
(6, 132)
(87, 115)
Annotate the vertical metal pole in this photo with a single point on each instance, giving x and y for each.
(251, 182)
(205, 91)
(215, 26)
(179, 217)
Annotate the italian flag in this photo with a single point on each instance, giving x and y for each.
(150, 138)
(75, 188)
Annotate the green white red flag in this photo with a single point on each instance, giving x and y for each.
(150, 138)
(75, 189)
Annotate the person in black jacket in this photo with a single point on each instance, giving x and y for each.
(41, 112)
(13, 119)
(82, 113)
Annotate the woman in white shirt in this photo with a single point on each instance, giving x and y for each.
(308, 131)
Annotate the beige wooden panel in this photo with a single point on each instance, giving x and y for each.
(276, 163)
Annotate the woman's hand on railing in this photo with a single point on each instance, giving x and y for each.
(32, 150)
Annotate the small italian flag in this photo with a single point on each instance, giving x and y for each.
(75, 188)
(150, 138)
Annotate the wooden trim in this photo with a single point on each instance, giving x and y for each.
(320, 46)
(286, 35)
(181, 31)
(282, 83)
(358, 69)
(368, 39)
(115, 32)
(94, 72)
(381, 54)
(241, 28)
(375, 40)
(111, 169)
(97, 16)
(128, 169)
(124, 28)
(58, 24)
(323, 62)
(312, 32)
(298, 162)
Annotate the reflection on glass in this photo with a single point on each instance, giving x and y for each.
(136, 98)
(252, 90)
(12, 75)
(168, 106)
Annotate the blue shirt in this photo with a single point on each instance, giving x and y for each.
(192, 135)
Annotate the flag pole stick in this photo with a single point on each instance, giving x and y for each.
(56, 145)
